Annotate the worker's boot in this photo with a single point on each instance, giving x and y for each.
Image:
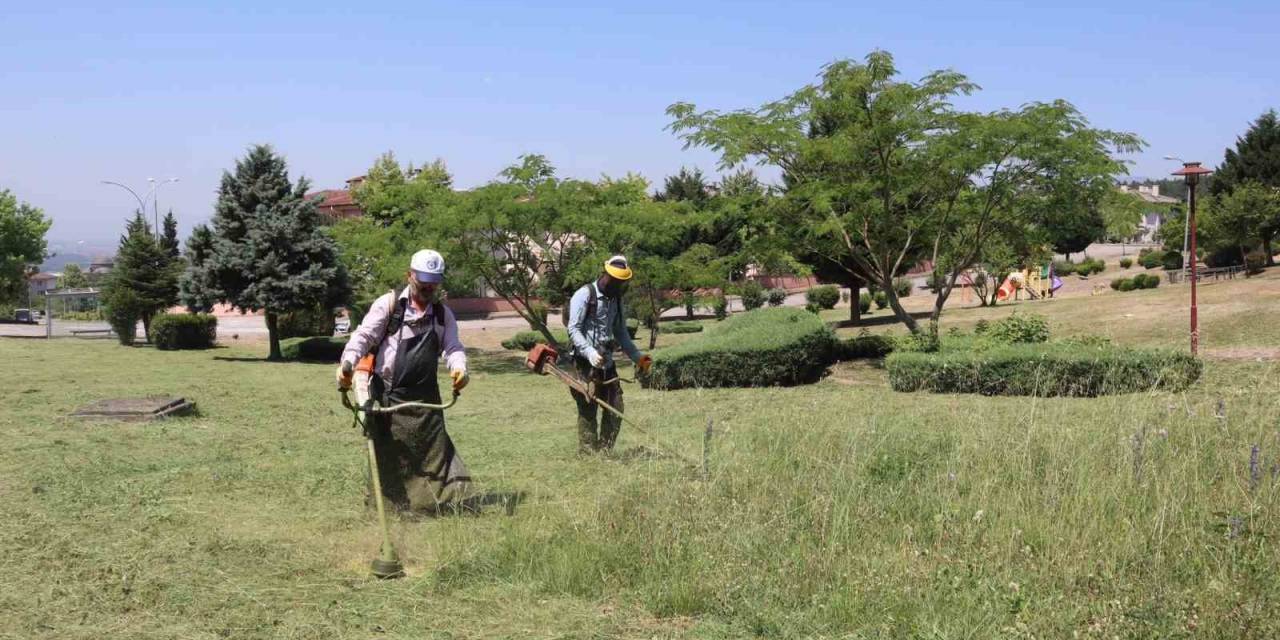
(588, 441)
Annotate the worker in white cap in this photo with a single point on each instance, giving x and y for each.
(398, 345)
(596, 327)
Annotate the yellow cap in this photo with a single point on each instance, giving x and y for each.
(617, 268)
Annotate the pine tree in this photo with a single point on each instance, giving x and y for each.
(145, 277)
(1256, 157)
(170, 239)
(267, 250)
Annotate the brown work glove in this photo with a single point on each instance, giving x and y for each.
(344, 377)
(644, 363)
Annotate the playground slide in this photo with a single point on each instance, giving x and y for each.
(1006, 290)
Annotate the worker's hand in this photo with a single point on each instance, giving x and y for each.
(597, 359)
(344, 376)
(644, 363)
(460, 380)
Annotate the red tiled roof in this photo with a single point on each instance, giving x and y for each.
(333, 197)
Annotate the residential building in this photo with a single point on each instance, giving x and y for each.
(101, 264)
(1153, 218)
(40, 283)
(338, 204)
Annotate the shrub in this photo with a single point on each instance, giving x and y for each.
(1115, 283)
(1172, 260)
(720, 308)
(1224, 256)
(981, 327)
(881, 300)
(525, 340)
(1254, 264)
(1019, 328)
(844, 297)
(302, 323)
(824, 297)
(1127, 284)
(1043, 370)
(1125, 263)
(1063, 268)
(1096, 265)
(766, 347)
(681, 327)
(813, 308)
(752, 295)
(1142, 253)
(776, 297)
(903, 286)
(314, 348)
(864, 302)
(863, 347)
(1146, 281)
(184, 331)
(123, 311)
(1151, 260)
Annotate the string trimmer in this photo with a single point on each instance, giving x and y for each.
(542, 361)
(387, 565)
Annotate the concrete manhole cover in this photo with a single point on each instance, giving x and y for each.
(134, 409)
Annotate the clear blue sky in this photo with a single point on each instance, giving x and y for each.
(125, 91)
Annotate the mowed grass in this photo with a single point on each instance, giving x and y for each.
(839, 509)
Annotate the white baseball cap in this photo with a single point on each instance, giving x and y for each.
(427, 266)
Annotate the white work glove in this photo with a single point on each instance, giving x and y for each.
(597, 359)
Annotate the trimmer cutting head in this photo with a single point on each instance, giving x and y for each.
(387, 569)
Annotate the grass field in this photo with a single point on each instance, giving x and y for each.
(839, 509)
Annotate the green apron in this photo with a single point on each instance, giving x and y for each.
(418, 466)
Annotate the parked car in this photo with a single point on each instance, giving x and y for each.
(342, 327)
(25, 316)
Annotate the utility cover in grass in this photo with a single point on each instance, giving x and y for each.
(761, 348)
(134, 409)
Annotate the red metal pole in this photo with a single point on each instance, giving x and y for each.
(1195, 322)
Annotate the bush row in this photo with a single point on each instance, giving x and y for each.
(863, 347)
(170, 331)
(314, 348)
(1140, 281)
(525, 340)
(1087, 267)
(766, 347)
(1042, 370)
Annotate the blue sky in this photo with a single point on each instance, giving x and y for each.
(125, 91)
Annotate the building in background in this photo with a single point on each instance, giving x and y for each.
(101, 265)
(338, 204)
(1156, 214)
(40, 283)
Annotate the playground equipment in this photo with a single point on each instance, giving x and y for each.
(1038, 283)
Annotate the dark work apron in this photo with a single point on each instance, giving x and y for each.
(417, 464)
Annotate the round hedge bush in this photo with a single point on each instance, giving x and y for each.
(766, 347)
(825, 296)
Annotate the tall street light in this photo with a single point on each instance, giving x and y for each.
(1191, 171)
(142, 200)
(155, 201)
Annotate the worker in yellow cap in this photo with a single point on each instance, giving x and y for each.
(596, 327)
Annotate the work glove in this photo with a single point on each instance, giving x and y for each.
(644, 363)
(344, 376)
(597, 359)
(460, 380)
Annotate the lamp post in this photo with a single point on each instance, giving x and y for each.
(1191, 172)
(155, 201)
(142, 200)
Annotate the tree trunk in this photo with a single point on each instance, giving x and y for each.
(855, 304)
(653, 336)
(146, 327)
(273, 336)
(1266, 248)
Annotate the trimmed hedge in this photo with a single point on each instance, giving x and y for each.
(752, 295)
(766, 347)
(903, 286)
(525, 340)
(314, 348)
(1043, 370)
(1125, 263)
(776, 297)
(863, 347)
(680, 327)
(1172, 260)
(171, 331)
(1151, 260)
(1019, 328)
(825, 296)
(881, 300)
(864, 302)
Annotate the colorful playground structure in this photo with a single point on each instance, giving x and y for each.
(1038, 283)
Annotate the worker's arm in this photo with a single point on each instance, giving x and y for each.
(454, 354)
(623, 336)
(370, 330)
(577, 333)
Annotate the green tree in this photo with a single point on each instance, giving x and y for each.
(689, 185)
(73, 277)
(879, 169)
(1256, 157)
(22, 244)
(169, 241)
(267, 249)
(390, 194)
(1245, 217)
(145, 277)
